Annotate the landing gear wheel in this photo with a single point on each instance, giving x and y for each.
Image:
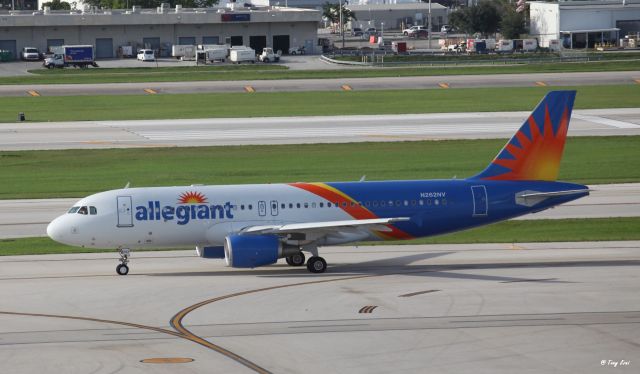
(296, 260)
(316, 264)
(122, 269)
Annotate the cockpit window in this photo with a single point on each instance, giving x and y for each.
(83, 210)
(73, 209)
(93, 211)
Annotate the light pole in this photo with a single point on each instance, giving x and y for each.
(429, 29)
(341, 27)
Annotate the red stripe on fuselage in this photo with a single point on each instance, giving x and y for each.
(352, 207)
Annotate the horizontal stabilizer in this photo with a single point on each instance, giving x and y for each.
(554, 193)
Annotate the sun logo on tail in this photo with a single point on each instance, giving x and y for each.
(192, 198)
(537, 156)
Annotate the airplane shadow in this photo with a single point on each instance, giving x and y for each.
(403, 266)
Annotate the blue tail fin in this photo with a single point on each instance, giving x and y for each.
(535, 151)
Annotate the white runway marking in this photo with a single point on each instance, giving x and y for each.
(606, 121)
(325, 132)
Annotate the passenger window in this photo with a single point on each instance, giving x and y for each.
(242, 207)
(283, 205)
(328, 205)
(313, 205)
(73, 209)
(367, 204)
(83, 210)
(93, 211)
(250, 207)
(290, 205)
(298, 205)
(306, 205)
(321, 205)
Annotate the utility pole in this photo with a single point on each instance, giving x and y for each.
(342, 27)
(429, 29)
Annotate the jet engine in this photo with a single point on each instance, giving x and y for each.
(250, 251)
(210, 252)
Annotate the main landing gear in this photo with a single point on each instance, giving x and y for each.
(296, 260)
(315, 263)
(122, 268)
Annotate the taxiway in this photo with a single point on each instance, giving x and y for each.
(484, 308)
(298, 130)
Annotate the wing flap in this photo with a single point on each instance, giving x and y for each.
(377, 224)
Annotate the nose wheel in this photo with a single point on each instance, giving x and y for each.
(122, 268)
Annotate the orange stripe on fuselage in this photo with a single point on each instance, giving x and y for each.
(351, 206)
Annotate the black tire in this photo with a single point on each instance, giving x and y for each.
(122, 269)
(316, 265)
(293, 53)
(266, 60)
(289, 261)
(296, 260)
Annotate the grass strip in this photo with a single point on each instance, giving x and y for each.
(262, 72)
(79, 172)
(564, 230)
(269, 104)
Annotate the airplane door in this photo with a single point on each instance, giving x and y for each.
(274, 208)
(480, 202)
(125, 214)
(262, 208)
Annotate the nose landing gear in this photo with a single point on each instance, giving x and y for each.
(122, 268)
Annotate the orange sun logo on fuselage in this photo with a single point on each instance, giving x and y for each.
(192, 198)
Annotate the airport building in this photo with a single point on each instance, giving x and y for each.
(583, 24)
(159, 29)
(398, 16)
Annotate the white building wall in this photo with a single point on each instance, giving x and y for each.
(545, 21)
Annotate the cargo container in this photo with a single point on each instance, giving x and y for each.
(242, 54)
(183, 52)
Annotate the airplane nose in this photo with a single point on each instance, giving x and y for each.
(55, 230)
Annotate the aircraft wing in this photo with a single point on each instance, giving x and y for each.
(377, 224)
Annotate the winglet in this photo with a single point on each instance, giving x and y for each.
(535, 151)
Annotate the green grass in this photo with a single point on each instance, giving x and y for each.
(225, 105)
(76, 173)
(260, 72)
(565, 230)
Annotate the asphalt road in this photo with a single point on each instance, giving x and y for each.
(296, 130)
(482, 308)
(28, 218)
(453, 81)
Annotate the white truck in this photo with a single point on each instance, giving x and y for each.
(79, 56)
(183, 52)
(268, 55)
(242, 54)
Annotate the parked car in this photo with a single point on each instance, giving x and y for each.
(30, 54)
(297, 50)
(371, 31)
(356, 31)
(412, 30)
(421, 33)
(446, 28)
(146, 55)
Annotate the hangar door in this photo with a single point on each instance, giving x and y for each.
(186, 40)
(281, 43)
(235, 40)
(9, 45)
(151, 43)
(104, 48)
(54, 43)
(257, 43)
(210, 40)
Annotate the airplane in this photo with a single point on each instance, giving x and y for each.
(255, 225)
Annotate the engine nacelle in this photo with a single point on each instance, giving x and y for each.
(210, 252)
(250, 251)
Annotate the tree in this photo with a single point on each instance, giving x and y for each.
(512, 24)
(332, 13)
(57, 5)
(483, 18)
